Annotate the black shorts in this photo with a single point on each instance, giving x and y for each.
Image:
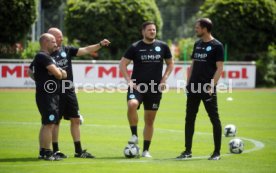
(68, 106)
(151, 101)
(48, 106)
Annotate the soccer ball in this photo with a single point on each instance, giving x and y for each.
(230, 130)
(131, 151)
(236, 146)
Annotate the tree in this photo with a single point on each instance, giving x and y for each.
(248, 27)
(120, 21)
(176, 15)
(52, 12)
(266, 68)
(16, 18)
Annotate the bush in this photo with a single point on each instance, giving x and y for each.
(248, 27)
(186, 48)
(31, 50)
(266, 68)
(16, 19)
(89, 21)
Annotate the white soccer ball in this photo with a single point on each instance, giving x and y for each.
(131, 151)
(236, 146)
(230, 130)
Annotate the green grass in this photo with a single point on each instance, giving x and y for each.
(105, 133)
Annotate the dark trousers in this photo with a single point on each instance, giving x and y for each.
(210, 104)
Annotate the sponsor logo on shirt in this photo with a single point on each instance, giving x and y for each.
(150, 58)
(208, 48)
(62, 63)
(200, 56)
(63, 54)
(54, 61)
(157, 48)
(142, 50)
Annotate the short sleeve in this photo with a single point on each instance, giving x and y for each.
(72, 51)
(168, 53)
(220, 53)
(130, 53)
(45, 61)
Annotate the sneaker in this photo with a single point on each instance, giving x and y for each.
(146, 154)
(185, 155)
(52, 158)
(60, 154)
(84, 154)
(133, 140)
(214, 156)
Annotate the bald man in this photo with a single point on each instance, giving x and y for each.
(69, 108)
(46, 75)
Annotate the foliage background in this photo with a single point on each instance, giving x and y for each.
(89, 21)
(16, 18)
(248, 28)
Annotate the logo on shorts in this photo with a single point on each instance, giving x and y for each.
(154, 105)
(51, 117)
(131, 96)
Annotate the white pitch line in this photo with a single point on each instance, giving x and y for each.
(258, 145)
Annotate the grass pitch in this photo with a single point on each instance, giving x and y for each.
(105, 133)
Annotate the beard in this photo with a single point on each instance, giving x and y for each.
(53, 49)
(150, 39)
(199, 34)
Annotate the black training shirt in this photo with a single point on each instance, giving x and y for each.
(147, 60)
(205, 56)
(63, 58)
(42, 77)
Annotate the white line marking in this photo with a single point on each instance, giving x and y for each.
(258, 145)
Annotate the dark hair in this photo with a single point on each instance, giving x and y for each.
(145, 24)
(205, 23)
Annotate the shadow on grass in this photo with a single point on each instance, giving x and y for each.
(148, 159)
(25, 159)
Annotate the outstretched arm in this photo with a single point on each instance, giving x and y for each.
(92, 48)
